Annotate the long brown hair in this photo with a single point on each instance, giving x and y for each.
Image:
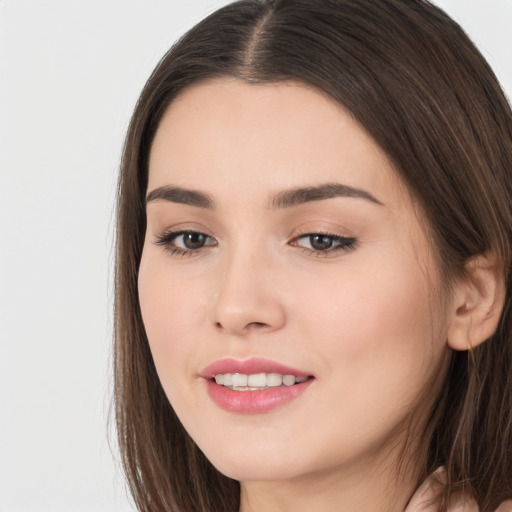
(416, 83)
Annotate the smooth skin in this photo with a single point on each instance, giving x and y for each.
(240, 274)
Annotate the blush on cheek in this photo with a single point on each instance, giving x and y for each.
(373, 316)
(166, 305)
(173, 318)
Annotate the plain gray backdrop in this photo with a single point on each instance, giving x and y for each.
(70, 73)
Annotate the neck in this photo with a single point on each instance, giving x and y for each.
(374, 487)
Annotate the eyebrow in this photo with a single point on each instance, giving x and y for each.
(294, 197)
(182, 196)
(285, 199)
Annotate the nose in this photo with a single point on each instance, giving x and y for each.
(248, 298)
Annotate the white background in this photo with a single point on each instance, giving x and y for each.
(70, 73)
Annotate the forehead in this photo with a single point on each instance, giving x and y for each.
(227, 134)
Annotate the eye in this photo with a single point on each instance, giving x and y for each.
(184, 242)
(322, 243)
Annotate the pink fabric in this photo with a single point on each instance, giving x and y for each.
(424, 499)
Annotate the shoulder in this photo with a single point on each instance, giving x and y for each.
(424, 499)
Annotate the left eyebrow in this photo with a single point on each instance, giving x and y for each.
(297, 196)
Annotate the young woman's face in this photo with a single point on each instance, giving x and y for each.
(284, 258)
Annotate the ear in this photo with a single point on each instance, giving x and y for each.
(477, 303)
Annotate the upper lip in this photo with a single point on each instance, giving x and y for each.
(249, 367)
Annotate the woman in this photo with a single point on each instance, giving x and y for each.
(313, 305)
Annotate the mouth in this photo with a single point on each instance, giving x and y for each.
(254, 385)
(256, 381)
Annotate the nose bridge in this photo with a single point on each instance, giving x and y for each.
(246, 297)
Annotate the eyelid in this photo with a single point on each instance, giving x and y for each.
(342, 243)
(326, 235)
(167, 237)
(172, 233)
(339, 243)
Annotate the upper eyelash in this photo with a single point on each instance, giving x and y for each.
(168, 236)
(349, 243)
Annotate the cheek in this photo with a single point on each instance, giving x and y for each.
(376, 327)
(371, 334)
(173, 307)
(355, 301)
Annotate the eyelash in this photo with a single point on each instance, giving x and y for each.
(167, 238)
(340, 243)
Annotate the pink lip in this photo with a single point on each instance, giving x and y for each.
(252, 402)
(250, 366)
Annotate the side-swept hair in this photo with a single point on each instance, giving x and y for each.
(415, 82)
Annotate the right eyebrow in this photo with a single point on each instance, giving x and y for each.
(181, 196)
(298, 196)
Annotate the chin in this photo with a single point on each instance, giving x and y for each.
(251, 471)
(258, 462)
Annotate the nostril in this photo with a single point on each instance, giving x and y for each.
(249, 326)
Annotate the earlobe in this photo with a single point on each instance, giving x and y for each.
(477, 303)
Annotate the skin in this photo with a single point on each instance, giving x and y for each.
(360, 320)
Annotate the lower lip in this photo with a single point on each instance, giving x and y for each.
(254, 402)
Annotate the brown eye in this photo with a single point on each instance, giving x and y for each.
(185, 242)
(321, 242)
(194, 240)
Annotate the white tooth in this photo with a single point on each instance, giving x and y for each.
(288, 380)
(258, 380)
(274, 380)
(228, 379)
(239, 380)
(300, 379)
(219, 379)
